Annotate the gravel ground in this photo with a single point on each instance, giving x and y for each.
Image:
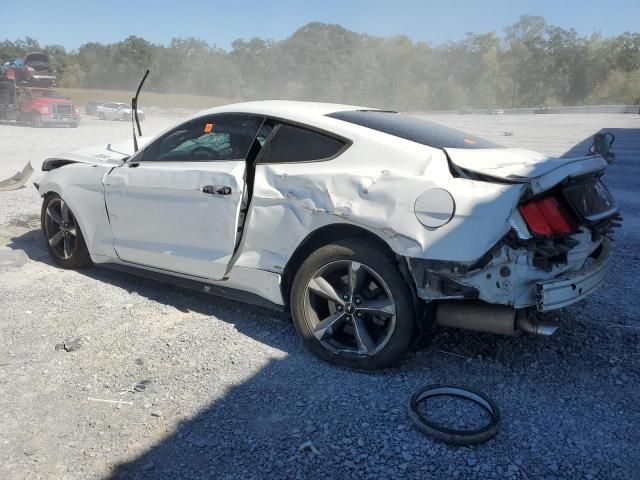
(208, 387)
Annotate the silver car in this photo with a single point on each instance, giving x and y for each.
(116, 111)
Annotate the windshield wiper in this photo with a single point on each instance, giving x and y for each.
(134, 108)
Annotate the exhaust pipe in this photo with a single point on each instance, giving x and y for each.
(532, 326)
(484, 317)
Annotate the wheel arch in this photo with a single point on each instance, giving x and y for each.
(324, 236)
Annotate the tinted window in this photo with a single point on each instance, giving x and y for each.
(414, 129)
(295, 144)
(219, 137)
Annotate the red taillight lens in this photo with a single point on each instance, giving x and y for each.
(545, 217)
(535, 219)
(554, 215)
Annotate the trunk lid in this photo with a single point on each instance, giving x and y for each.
(519, 165)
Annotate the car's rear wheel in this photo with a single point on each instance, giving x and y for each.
(61, 230)
(101, 115)
(351, 306)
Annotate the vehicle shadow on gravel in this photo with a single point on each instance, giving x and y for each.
(299, 417)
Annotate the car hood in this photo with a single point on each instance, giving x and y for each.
(519, 165)
(106, 155)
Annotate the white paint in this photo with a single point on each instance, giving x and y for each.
(520, 165)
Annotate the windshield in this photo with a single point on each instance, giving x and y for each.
(46, 94)
(413, 129)
(37, 57)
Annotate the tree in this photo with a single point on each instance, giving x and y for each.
(535, 64)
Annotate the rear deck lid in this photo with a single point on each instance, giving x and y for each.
(519, 165)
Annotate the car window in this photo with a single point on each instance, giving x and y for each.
(413, 129)
(296, 144)
(219, 137)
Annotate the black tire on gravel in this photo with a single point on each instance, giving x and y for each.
(370, 255)
(79, 256)
(451, 436)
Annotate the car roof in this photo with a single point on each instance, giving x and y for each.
(287, 109)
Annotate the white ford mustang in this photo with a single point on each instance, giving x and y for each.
(370, 226)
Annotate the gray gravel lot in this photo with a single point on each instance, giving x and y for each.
(164, 383)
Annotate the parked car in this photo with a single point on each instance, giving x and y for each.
(91, 108)
(35, 70)
(116, 111)
(368, 226)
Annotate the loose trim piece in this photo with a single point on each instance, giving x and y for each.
(449, 435)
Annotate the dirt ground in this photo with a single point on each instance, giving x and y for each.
(156, 382)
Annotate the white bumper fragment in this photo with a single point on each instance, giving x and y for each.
(573, 286)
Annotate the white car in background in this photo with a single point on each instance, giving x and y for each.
(368, 226)
(116, 111)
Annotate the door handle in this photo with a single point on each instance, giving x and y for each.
(216, 190)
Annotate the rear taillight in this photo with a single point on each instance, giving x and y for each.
(545, 217)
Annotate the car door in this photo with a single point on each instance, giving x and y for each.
(103, 108)
(175, 206)
(109, 111)
(24, 101)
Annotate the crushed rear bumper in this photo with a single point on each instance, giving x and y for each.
(571, 287)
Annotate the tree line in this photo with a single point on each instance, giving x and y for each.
(532, 64)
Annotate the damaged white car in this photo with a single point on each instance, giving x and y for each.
(369, 226)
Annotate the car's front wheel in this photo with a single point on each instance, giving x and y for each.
(61, 230)
(351, 305)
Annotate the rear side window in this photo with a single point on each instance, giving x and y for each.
(291, 144)
(414, 129)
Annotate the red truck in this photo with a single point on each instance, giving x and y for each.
(39, 106)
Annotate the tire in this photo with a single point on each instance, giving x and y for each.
(461, 437)
(101, 116)
(367, 327)
(62, 234)
(36, 121)
(74, 125)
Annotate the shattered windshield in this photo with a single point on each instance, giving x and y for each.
(414, 129)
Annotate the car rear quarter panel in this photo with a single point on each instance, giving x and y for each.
(373, 185)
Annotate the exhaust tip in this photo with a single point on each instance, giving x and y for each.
(531, 325)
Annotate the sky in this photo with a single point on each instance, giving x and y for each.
(74, 22)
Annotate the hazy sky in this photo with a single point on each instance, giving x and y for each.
(74, 22)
